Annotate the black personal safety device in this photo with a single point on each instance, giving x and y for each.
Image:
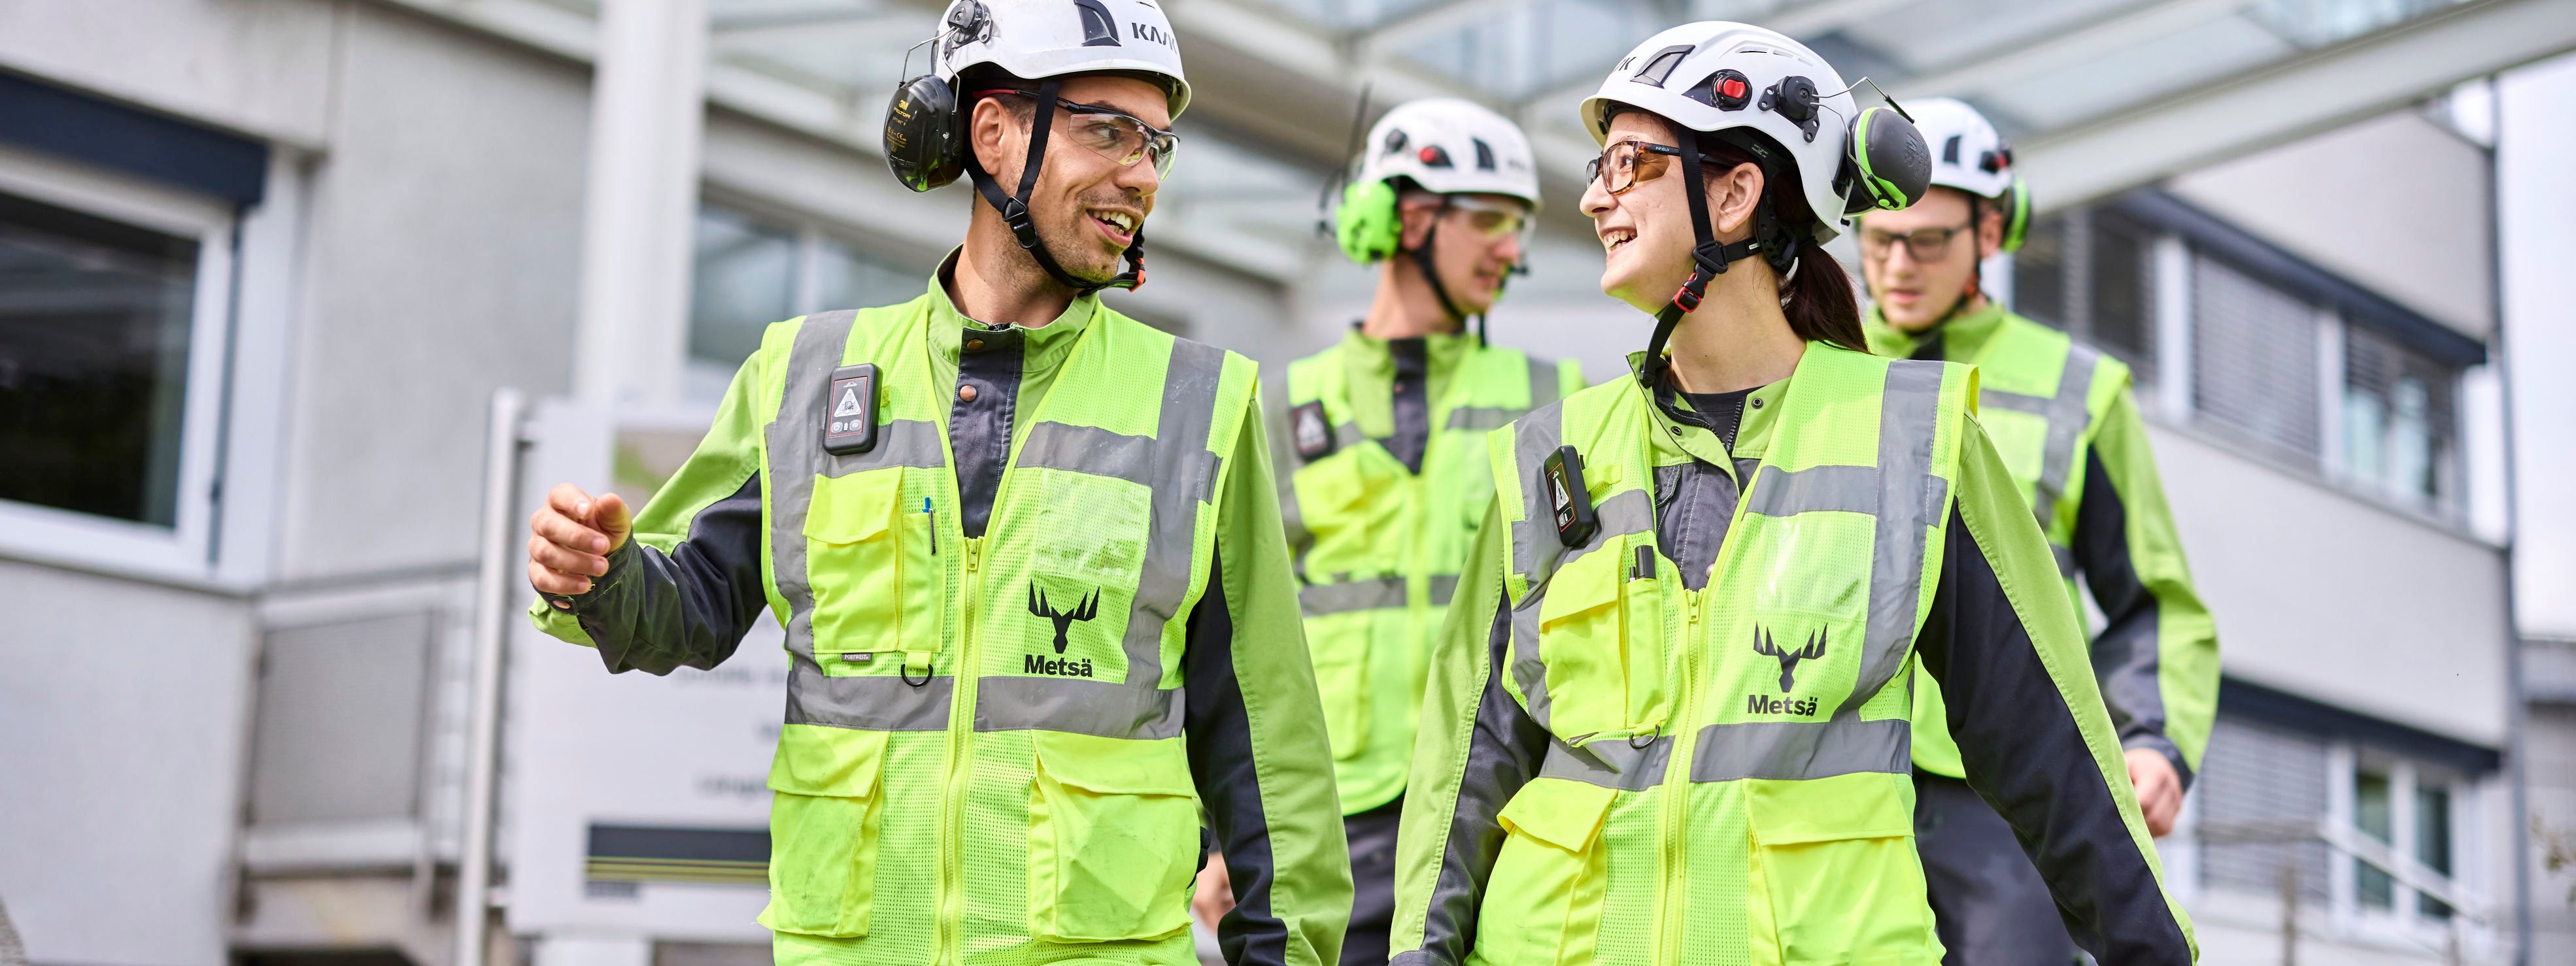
(850, 410)
(1311, 430)
(1572, 504)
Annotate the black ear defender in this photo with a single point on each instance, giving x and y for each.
(1886, 161)
(2016, 202)
(925, 126)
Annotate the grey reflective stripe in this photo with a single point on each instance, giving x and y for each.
(1079, 705)
(1851, 489)
(1909, 497)
(1625, 512)
(1346, 436)
(1482, 417)
(2065, 560)
(1609, 763)
(1528, 671)
(1443, 587)
(1090, 450)
(795, 457)
(1535, 549)
(1802, 749)
(1543, 384)
(877, 702)
(1183, 470)
(900, 442)
(1316, 600)
(2067, 413)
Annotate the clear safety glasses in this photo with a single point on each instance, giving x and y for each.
(1927, 245)
(1626, 164)
(1491, 220)
(1112, 133)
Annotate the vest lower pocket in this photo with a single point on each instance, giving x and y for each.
(1113, 839)
(1339, 646)
(1834, 877)
(1542, 904)
(823, 814)
(1601, 635)
(870, 561)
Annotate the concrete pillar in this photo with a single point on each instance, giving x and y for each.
(648, 107)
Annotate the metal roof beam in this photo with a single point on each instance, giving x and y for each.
(1992, 68)
(2304, 95)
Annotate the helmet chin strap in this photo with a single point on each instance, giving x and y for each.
(1708, 258)
(1431, 272)
(1015, 208)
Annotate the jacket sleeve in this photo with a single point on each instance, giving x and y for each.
(2157, 658)
(1255, 730)
(687, 587)
(1475, 748)
(2004, 641)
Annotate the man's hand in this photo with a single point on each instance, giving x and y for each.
(573, 536)
(1215, 895)
(2159, 789)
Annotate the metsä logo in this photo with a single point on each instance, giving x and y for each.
(1063, 621)
(1765, 646)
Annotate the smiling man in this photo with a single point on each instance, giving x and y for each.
(2061, 415)
(1042, 638)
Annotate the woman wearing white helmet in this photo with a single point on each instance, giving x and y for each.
(1667, 719)
(2061, 413)
(1382, 454)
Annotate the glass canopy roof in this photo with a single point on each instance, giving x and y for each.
(1279, 78)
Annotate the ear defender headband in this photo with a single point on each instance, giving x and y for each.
(925, 145)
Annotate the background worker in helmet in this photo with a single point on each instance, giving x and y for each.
(1667, 721)
(1039, 613)
(2061, 416)
(1382, 451)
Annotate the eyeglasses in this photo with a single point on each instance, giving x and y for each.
(1112, 133)
(1491, 220)
(1625, 164)
(1927, 245)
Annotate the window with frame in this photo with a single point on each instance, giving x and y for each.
(2400, 421)
(752, 270)
(2091, 272)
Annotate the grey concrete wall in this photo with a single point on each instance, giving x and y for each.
(2340, 600)
(257, 66)
(123, 720)
(2397, 204)
(443, 261)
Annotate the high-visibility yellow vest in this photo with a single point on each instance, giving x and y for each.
(982, 752)
(1728, 781)
(2043, 398)
(1378, 546)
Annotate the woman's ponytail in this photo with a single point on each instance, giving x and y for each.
(1817, 298)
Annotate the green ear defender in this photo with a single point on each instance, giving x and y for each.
(1888, 154)
(1366, 224)
(2016, 214)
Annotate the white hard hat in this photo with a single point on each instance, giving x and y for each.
(1716, 76)
(1033, 39)
(1967, 152)
(1451, 146)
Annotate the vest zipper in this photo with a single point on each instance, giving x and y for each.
(1677, 786)
(961, 733)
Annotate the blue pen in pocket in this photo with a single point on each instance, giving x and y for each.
(934, 526)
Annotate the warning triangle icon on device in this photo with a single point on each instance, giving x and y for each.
(849, 404)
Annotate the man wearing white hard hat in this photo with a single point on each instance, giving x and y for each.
(1042, 641)
(2063, 417)
(1382, 451)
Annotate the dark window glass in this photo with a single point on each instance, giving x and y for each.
(2122, 292)
(2039, 272)
(744, 279)
(2372, 815)
(94, 322)
(2433, 842)
(2400, 422)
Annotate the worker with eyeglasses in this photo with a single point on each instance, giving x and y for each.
(1667, 720)
(2064, 419)
(1042, 639)
(1381, 448)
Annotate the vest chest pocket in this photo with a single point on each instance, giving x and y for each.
(1341, 645)
(823, 815)
(1351, 502)
(870, 561)
(1114, 838)
(1601, 635)
(1543, 906)
(1834, 875)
